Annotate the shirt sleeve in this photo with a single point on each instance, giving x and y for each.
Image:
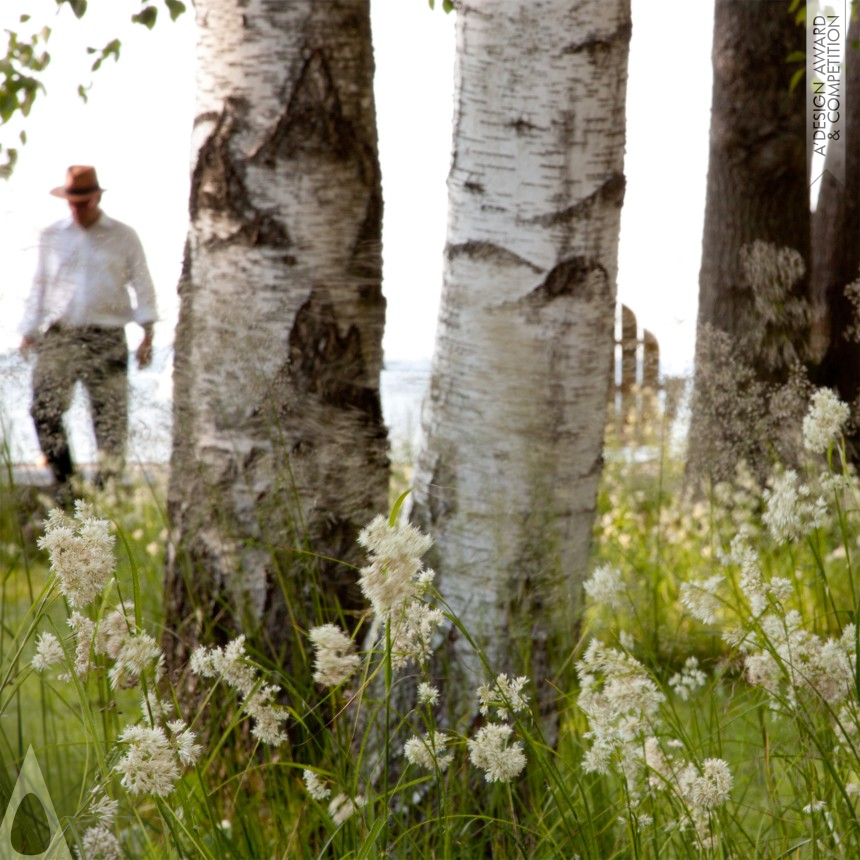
(34, 310)
(140, 280)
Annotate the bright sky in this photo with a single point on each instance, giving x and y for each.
(135, 129)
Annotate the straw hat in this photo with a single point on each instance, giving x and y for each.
(81, 183)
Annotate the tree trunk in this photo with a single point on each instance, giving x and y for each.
(755, 251)
(507, 472)
(279, 445)
(836, 254)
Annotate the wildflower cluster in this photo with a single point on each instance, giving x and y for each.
(623, 705)
(395, 583)
(81, 550)
(230, 664)
(825, 421)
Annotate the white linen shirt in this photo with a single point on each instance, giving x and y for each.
(89, 276)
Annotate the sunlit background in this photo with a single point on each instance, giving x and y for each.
(135, 129)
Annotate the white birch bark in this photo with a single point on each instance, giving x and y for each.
(511, 453)
(279, 441)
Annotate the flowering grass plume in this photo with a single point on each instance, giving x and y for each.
(791, 512)
(505, 695)
(621, 701)
(825, 421)
(395, 573)
(81, 551)
(334, 655)
(429, 751)
(316, 788)
(231, 665)
(606, 587)
(490, 752)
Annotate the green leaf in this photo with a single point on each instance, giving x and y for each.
(79, 7)
(111, 49)
(146, 17)
(175, 7)
(795, 79)
(82, 93)
(796, 57)
(397, 506)
(448, 6)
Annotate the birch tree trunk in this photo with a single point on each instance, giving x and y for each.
(511, 452)
(279, 445)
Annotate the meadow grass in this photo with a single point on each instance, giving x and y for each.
(716, 712)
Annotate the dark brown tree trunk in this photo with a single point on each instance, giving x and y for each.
(836, 253)
(757, 210)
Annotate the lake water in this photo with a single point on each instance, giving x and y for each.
(403, 385)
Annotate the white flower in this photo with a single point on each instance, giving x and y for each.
(688, 680)
(429, 752)
(790, 512)
(81, 554)
(392, 578)
(701, 600)
(48, 652)
(99, 844)
(343, 808)
(137, 654)
(606, 587)
(317, 789)
(103, 808)
(712, 788)
(488, 751)
(231, 664)
(503, 694)
(84, 631)
(185, 742)
(427, 694)
(333, 654)
(825, 421)
(149, 764)
(413, 627)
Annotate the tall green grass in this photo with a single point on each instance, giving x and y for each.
(716, 713)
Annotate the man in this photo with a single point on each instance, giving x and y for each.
(89, 269)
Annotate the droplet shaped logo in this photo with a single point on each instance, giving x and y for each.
(31, 781)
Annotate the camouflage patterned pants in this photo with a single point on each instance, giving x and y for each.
(98, 358)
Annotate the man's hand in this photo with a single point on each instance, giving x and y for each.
(144, 351)
(26, 346)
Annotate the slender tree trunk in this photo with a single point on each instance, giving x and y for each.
(836, 253)
(753, 279)
(507, 473)
(279, 445)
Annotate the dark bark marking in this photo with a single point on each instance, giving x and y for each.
(571, 277)
(473, 187)
(218, 184)
(610, 192)
(598, 45)
(313, 122)
(327, 365)
(489, 252)
(522, 126)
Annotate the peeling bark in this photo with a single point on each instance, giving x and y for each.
(280, 453)
(507, 471)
